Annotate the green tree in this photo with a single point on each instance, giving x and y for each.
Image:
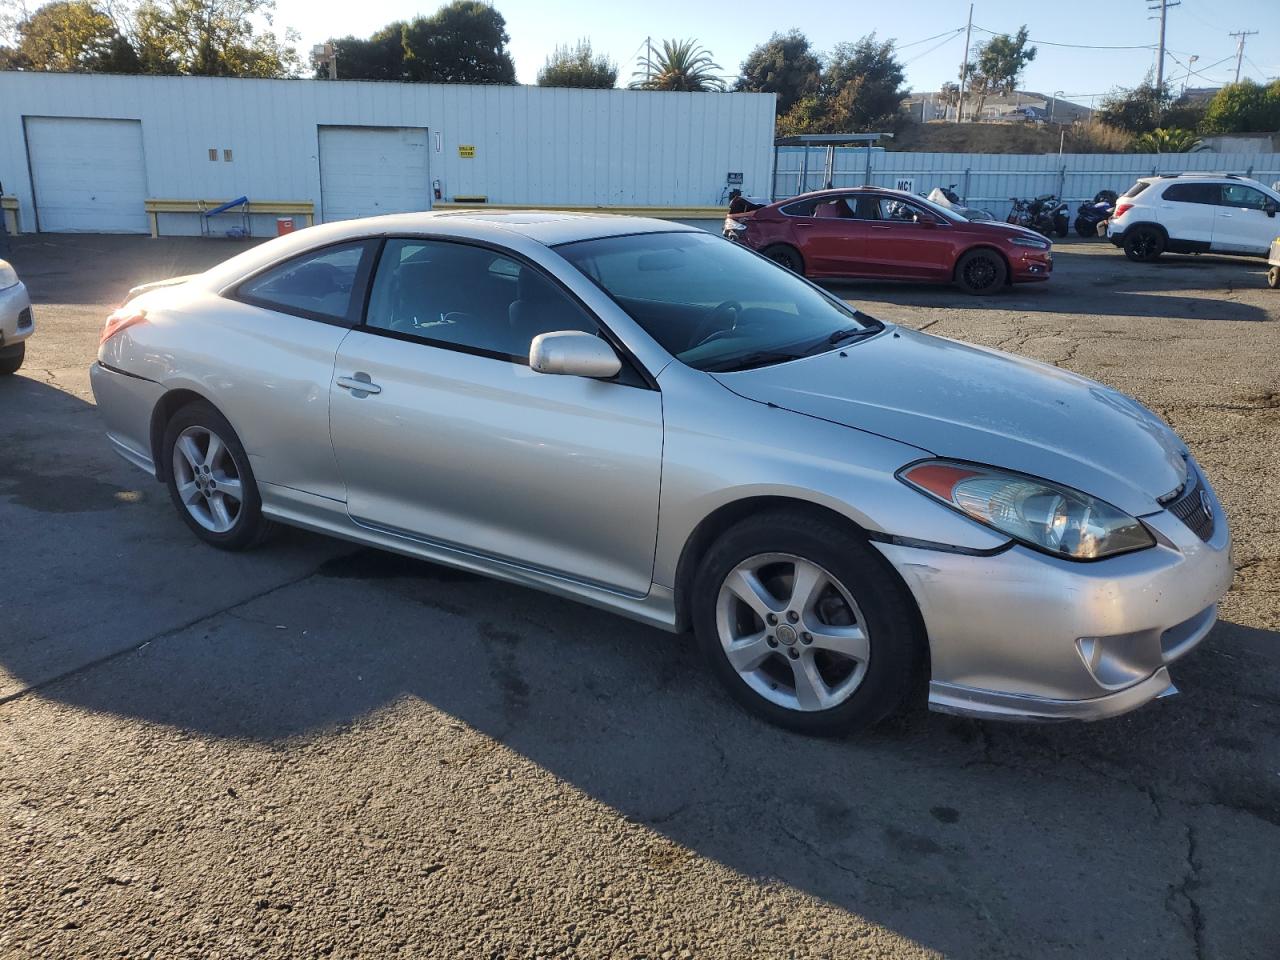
(578, 66)
(71, 35)
(1170, 140)
(861, 89)
(998, 65)
(462, 42)
(949, 96)
(381, 57)
(1137, 109)
(785, 65)
(212, 38)
(681, 65)
(1244, 107)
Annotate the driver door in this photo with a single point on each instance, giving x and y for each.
(905, 241)
(1241, 223)
(444, 434)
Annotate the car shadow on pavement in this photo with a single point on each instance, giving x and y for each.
(976, 840)
(1179, 289)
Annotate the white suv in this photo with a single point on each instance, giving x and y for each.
(1195, 213)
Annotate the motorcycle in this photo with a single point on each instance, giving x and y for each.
(1092, 214)
(947, 197)
(1045, 214)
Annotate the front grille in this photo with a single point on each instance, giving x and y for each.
(24, 318)
(1193, 506)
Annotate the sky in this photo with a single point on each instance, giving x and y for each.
(930, 33)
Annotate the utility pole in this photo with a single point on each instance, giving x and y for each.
(1240, 48)
(1163, 7)
(648, 59)
(964, 67)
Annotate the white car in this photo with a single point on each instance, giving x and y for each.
(16, 323)
(1195, 213)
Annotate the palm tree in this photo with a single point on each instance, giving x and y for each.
(682, 65)
(1172, 140)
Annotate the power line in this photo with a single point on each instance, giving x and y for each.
(1075, 46)
(936, 46)
(915, 43)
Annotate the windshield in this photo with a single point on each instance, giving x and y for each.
(945, 212)
(713, 304)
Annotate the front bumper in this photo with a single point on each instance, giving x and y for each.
(1030, 266)
(1020, 635)
(16, 321)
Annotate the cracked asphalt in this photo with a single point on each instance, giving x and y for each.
(316, 750)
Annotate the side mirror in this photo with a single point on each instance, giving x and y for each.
(573, 353)
(1270, 209)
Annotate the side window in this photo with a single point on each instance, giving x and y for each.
(468, 297)
(802, 208)
(319, 283)
(888, 208)
(1238, 195)
(1206, 193)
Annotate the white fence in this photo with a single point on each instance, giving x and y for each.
(988, 180)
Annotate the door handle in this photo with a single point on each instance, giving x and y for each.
(879, 227)
(360, 384)
(804, 226)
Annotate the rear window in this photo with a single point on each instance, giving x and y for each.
(1136, 189)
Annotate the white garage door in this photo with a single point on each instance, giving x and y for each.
(88, 175)
(365, 171)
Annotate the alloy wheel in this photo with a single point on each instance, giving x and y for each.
(207, 479)
(792, 632)
(979, 273)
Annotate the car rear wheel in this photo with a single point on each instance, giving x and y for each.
(981, 272)
(1143, 244)
(785, 256)
(10, 361)
(210, 480)
(805, 625)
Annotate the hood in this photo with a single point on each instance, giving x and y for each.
(1001, 229)
(971, 403)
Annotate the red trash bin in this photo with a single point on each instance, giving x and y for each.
(284, 225)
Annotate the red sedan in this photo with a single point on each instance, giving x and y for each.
(871, 232)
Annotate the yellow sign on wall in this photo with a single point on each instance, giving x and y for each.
(467, 151)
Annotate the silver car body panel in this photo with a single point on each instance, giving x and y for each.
(592, 490)
(14, 299)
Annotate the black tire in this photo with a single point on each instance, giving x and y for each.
(10, 362)
(1143, 244)
(1273, 278)
(785, 256)
(888, 614)
(250, 527)
(981, 272)
(1060, 225)
(1086, 228)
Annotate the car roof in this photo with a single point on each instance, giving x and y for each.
(549, 227)
(516, 229)
(845, 191)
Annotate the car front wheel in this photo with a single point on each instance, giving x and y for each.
(981, 272)
(10, 362)
(805, 625)
(210, 480)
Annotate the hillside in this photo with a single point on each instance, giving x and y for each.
(938, 136)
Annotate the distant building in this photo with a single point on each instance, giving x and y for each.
(1017, 107)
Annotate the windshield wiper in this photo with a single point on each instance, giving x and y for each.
(749, 361)
(850, 333)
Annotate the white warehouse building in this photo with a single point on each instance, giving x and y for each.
(129, 154)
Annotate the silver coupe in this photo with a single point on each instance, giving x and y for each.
(650, 419)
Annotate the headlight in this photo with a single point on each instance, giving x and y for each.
(1030, 242)
(8, 276)
(1041, 514)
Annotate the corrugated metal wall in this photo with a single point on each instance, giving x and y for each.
(988, 180)
(533, 145)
